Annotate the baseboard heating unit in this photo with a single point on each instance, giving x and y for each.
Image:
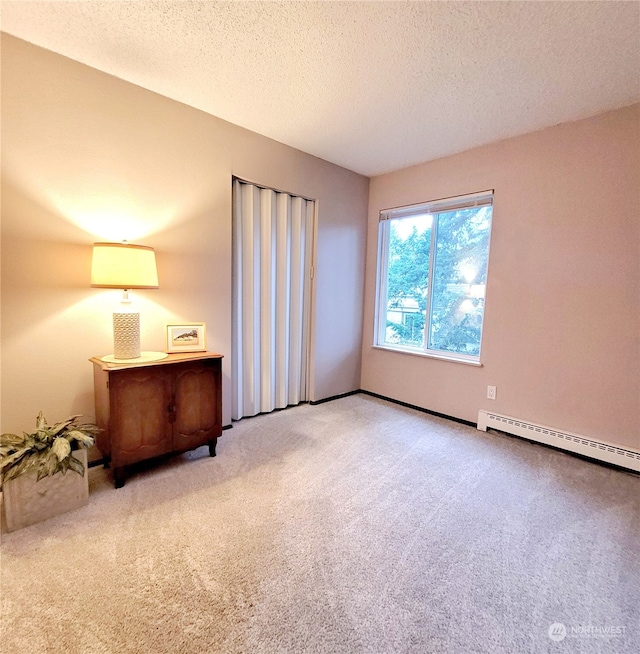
(614, 454)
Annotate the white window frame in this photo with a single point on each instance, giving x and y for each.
(481, 199)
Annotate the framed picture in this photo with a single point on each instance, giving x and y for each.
(186, 338)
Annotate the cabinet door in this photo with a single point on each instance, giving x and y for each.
(140, 405)
(197, 405)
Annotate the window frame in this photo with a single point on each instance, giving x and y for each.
(434, 207)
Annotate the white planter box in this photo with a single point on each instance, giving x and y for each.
(27, 501)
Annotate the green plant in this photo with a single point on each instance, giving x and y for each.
(47, 450)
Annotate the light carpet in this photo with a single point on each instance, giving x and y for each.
(351, 526)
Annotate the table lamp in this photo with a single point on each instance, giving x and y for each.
(125, 266)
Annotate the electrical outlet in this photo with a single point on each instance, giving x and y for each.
(491, 392)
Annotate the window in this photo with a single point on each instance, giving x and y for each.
(432, 275)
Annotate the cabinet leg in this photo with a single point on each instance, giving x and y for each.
(119, 477)
(212, 446)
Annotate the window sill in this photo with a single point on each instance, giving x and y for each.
(428, 355)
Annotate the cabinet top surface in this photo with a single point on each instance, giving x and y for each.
(170, 358)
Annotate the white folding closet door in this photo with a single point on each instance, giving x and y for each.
(272, 249)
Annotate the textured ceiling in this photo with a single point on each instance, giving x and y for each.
(372, 86)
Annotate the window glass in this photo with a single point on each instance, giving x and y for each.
(433, 275)
(459, 281)
(407, 280)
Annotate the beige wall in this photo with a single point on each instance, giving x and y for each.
(88, 157)
(562, 323)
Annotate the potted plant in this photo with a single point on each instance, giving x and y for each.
(30, 464)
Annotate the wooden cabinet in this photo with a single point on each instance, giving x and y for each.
(149, 409)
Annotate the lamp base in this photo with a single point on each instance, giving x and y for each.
(145, 357)
(126, 334)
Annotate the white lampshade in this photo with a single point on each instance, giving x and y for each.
(122, 265)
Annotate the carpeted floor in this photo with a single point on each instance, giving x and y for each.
(351, 526)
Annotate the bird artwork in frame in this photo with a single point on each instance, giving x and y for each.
(189, 337)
